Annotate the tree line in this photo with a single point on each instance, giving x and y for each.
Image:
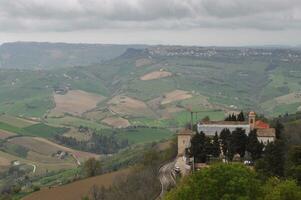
(239, 117)
(235, 182)
(100, 144)
(227, 143)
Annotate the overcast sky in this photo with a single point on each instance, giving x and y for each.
(186, 22)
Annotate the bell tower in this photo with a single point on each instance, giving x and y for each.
(252, 120)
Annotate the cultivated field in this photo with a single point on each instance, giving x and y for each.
(124, 105)
(43, 163)
(116, 122)
(155, 75)
(75, 102)
(16, 121)
(143, 62)
(4, 162)
(175, 95)
(282, 104)
(76, 190)
(46, 147)
(290, 98)
(5, 134)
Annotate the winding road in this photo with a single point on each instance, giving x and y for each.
(166, 178)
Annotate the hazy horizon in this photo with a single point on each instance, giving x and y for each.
(172, 22)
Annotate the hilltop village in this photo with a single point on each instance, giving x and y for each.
(215, 132)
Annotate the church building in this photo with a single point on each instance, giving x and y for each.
(264, 132)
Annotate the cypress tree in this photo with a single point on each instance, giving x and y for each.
(225, 137)
(254, 147)
(215, 146)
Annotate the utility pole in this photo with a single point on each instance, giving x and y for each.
(191, 120)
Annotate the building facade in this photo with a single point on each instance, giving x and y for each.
(265, 134)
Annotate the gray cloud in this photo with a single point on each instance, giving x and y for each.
(74, 15)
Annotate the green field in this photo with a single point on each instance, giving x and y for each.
(144, 135)
(39, 130)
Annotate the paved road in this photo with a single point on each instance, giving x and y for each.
(34, 168)
(166, 178)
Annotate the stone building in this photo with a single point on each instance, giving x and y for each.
(184, 137)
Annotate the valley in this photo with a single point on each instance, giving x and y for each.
(53, 119)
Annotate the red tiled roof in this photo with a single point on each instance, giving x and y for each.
(260, 124)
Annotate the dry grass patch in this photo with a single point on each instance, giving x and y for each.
(175, 95)
(78, 189)
(155, 75)
(116, 122)
(75, 102)
(124, 105)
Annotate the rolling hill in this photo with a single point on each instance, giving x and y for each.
(44, 55)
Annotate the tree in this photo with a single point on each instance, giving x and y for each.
(275, 189)
(241, 117)
(92, 167)
(279, 128)
(222, 181)
(225, 140)
(199, 148)
(254, 147)
(97, 193)
(237, 144)
(272, 163)
(215, 146)
(233, 117)
(206, 118)
(293, 165)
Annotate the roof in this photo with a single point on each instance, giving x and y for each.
(185, 132)
(267, 132)
(224, 122)
(252, 113)
(261, 125)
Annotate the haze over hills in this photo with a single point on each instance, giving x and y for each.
(44, 55)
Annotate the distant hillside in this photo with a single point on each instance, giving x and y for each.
(156, 85)
(32, 55)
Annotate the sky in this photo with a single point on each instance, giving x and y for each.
(174, 22)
